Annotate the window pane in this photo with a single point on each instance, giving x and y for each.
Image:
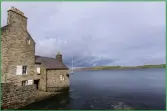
(24, 69)
(61, 77)
(38, 70)
(28, 41)
(24, 83)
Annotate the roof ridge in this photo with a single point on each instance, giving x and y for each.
(50, 63)
(30, 36)
(4, 27)
(44, 57)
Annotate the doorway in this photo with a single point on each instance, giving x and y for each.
(36, 82)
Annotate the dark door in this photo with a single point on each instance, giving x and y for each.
(36, 82)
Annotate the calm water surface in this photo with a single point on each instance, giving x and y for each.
(137, 88)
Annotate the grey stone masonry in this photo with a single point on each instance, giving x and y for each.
(57, 80)
(19, 63)
(18, 49)
(14, 97)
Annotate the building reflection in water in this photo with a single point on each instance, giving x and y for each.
(60, 101)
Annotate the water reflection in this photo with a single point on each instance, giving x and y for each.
(139, 89)
(60, 101)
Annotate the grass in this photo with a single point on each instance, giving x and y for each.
(122, 67)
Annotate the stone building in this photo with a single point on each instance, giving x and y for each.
(19, 63)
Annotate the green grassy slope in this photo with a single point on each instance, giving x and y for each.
(122, 67)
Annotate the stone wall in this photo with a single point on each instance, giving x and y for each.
(41, 76)
(53, 80)
(16, 51)
(14, 97)
(15, 16)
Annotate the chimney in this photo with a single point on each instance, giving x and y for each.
(59, 57)
(17, 17)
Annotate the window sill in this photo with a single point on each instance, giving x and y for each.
(24, 74)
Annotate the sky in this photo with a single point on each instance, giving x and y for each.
(97, 33)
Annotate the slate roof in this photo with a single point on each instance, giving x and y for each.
(50, 63)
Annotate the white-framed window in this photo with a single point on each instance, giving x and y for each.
(24, 71)
(61, 77)
(28, 41)
(38, 70)
(24, 83)
(21, 70)
(27, 82)
(30, 82)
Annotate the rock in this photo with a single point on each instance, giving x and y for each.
(91, 106)
(121, 105)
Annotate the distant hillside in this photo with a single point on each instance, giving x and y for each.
(122, 67)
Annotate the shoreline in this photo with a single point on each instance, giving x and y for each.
(121, 67)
